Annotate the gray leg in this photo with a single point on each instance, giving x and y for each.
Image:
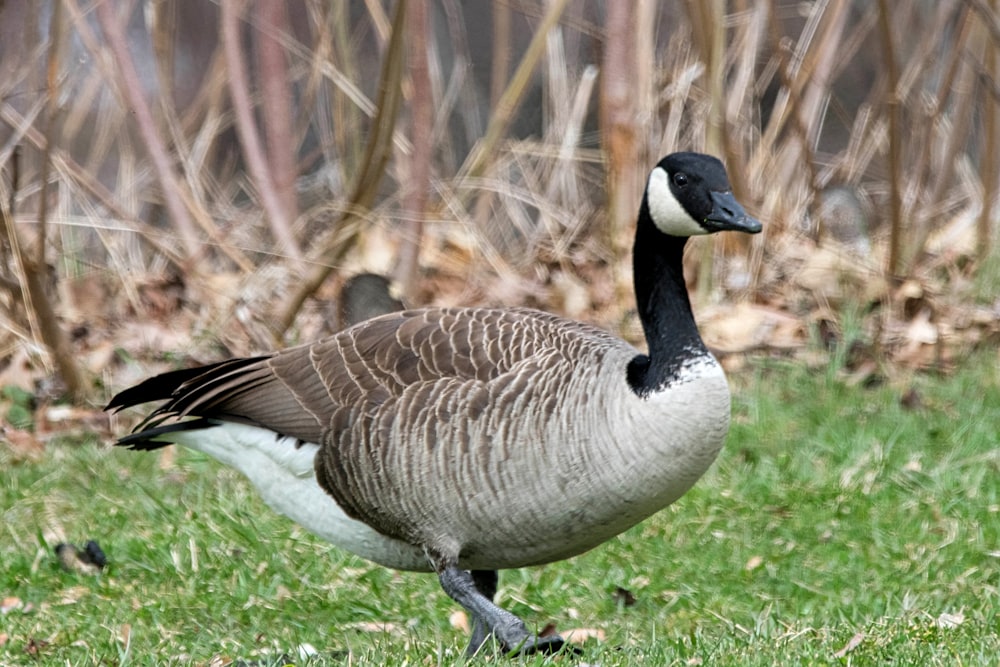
(486, 583)
(509, 630)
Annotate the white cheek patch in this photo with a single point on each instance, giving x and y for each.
(667, 213)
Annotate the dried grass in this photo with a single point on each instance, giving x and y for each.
(796, 96)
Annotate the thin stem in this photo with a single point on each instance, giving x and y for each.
(893, 113)
(132, 89)
(421, 129)
(253, 152)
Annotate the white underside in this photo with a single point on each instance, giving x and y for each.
(283, 475)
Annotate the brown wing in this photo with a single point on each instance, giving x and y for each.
(296, 392)
(378, 397)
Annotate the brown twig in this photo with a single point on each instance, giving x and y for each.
(41, 313)
(483, 152)
(276, 102)
(369, 175)
(618, 106)
(85, 181)
(51, 109)
(253, 152)
(500, 62)
(892, 110)
(421, 129)
(619, 127)
(990, 166)
(131, 88)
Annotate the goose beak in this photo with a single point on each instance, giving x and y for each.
(728, 215)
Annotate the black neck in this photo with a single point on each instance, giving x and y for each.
(664, 308)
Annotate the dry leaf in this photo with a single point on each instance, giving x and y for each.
(742, 327)
(73, 595)
(8, 605)
(23, 445)
(572, 294)
(581, 635)
(19, 371)
(125, 633)
(851, 644)
(460, 621)
(753, 563)
(947, 620)
(832, 273)
(35, 646)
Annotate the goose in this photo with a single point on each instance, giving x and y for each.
(463, 441)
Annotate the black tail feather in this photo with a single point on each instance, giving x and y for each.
(144, 440)
(165, 385)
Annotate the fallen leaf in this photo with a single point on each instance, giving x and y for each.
(306, 652)
(581, 635)
(851, 644)
(753, 563)
(460, 621)
(8, 605)
(73, 595)
(23, 445)
(35, 646)
(548, 631)
(571, 293)
(741, 327)
(948, 620)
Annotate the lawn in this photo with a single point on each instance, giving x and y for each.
(842, 525)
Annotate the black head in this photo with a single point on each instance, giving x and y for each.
(689, 194)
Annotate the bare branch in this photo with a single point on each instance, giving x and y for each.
(619, 125)
(482, 153)
(253, 152)
(421, 129)
(369, 175)
(41, 313)
(131, 88)
(276, 103)
(895, 156)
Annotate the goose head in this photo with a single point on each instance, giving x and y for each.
(688, 194)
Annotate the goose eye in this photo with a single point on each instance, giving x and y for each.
(680, 180)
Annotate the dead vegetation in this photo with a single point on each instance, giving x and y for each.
(197, 179)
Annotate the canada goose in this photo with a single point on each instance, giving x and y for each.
(468, 440)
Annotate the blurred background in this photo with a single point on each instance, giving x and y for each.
(185, 181)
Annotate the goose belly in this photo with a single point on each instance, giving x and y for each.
(281, 470)
(520, 488)
(624, 470)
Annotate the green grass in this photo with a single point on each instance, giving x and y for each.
(834, 513)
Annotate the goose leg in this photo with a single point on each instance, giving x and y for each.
(486, 584)
(509, 630)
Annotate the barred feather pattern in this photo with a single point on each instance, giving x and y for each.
(425, 423)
